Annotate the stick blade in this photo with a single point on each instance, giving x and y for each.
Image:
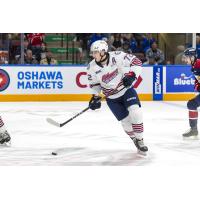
(52, 122)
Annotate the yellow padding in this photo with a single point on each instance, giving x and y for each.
(145, 97)
(58, 97)
(178, 97)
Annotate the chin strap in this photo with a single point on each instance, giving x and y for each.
(104, 59)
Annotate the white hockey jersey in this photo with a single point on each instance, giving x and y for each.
(108, 78)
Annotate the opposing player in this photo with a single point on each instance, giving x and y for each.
(193, 104)
(114, 73)
(4, 136)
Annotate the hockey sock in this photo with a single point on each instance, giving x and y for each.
(127, 126)
(193, 117)
(136, 117)
(138, 130)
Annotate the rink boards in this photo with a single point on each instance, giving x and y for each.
(69, 83)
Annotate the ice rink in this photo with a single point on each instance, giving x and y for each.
(96, 137)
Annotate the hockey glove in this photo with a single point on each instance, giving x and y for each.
(128, 79)
(95, 103)
(197, 86)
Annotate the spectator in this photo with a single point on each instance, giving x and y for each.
(48, 60)
(35, 42)
(198, 46)
(29, 59)
(125, 47)
(180, 57)
(147, 41)
(127, 37)
(83, 38)
(97, 36)
(41, 53)
(3, 57)
(35, 39)
(137, 43)
(16, 52)
(155, 53)
(137, 46)
(117, 42)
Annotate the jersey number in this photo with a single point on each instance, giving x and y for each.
(89, 77)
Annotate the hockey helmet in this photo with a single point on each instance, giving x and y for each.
(99, 45)
(190, 52)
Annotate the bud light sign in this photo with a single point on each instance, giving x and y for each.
(157, 82)
(179, 79)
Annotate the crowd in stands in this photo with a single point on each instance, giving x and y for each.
(180, 57)
(35, 51)
(143, 45)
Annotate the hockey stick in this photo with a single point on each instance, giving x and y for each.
(53, 122)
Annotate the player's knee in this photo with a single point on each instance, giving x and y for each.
(192, 104)
(135, 113)
(126, 123)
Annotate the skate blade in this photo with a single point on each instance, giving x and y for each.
(141, 153)
(195, 137)
(6, 144)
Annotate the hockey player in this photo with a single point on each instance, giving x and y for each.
(193, 104)
(113, 73)
(4, 136)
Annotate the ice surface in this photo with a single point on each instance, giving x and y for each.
(95, 137)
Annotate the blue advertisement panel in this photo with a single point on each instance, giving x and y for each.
(179, 79)
(158, 82)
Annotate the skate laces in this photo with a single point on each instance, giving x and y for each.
(4, 135)
(140, 143)
(190, 130)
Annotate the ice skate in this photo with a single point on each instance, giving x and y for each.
(191, 134)
(5, 138)
(142, 149)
